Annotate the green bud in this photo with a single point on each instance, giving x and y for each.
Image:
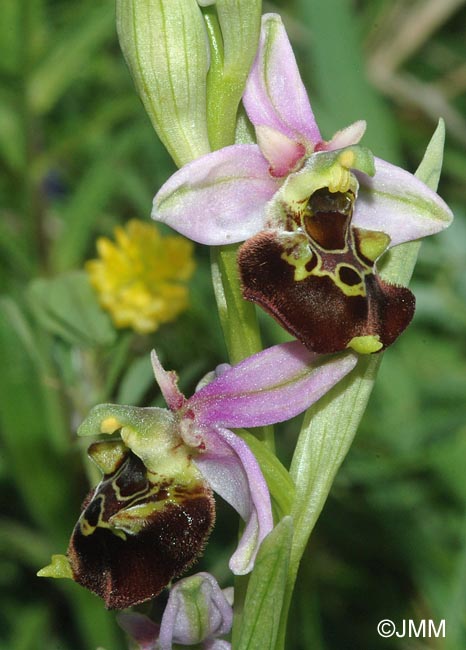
(240, 24)
(165, 46)
(197, 612)
(233, 27)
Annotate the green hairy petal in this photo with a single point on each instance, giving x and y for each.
(332, 169)
(150, 433)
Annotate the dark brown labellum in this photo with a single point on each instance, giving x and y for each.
(136, 533)
(319, 282)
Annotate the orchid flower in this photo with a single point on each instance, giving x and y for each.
(197, 612)
(150, 516)
(316, 215)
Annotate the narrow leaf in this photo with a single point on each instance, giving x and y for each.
(67, 307)
(262, 607)
(398, 265)
(71, 53)
(90, 198)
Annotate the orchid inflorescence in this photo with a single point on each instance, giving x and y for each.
(313, 218)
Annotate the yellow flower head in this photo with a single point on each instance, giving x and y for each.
(140, 277)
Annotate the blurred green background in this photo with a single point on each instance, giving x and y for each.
(77, 157)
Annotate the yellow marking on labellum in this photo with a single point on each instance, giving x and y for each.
(299, 263)
(134, 518)
(84, 525)
(349, 290)
(365, 344)
(129, 497)
(110, 425)
(88, 529)
(357, 289)
(301, 272)
(372, 243)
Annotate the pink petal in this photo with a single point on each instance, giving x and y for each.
(282, 153)
(346, 137)
(275, 95)
(232, 471)
(271, 386)
(398, 204)
(168, 384)
(219, 198)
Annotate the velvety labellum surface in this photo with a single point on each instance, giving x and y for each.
(137, 531)
(318, 278)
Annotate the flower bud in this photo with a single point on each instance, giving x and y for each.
(197, 610)
(165, 46)
(233, 27)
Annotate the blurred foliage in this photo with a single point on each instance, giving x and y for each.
(77, 157)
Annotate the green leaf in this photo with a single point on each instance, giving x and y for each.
(71, 53)
(67, 306)
(90, 198)
(431, 165)
(12, 145)
(398, 264)
(34, 626)
(262, 607)
(31, 424)
(330, 425)
(24, 544)
(278, 480)
(136, 381)
(10, 36)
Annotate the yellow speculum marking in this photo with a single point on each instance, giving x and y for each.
(348, 290)
(87, 528)
(301, 273)
(132, 518)
(299, 263)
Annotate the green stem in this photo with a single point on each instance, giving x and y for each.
(238, 317)
(330, 425)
